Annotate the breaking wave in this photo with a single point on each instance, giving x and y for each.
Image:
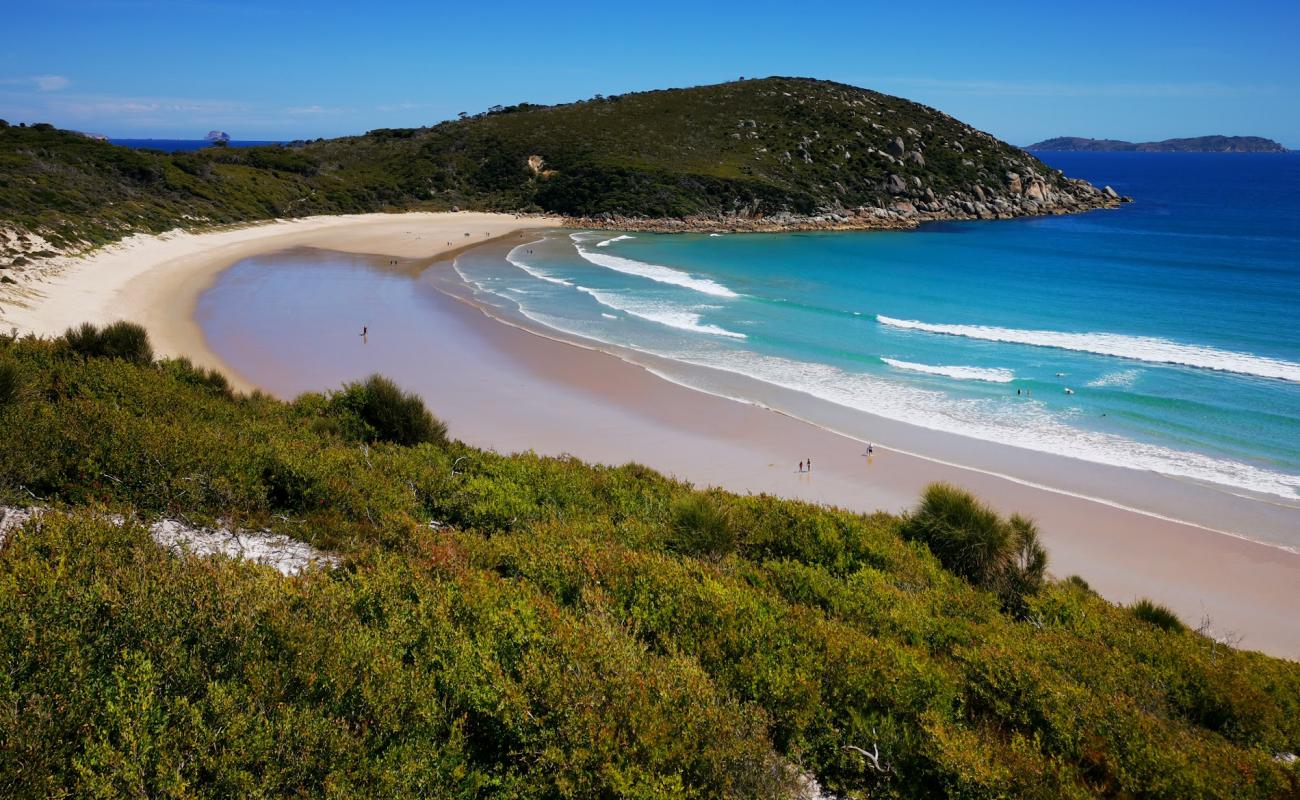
(1151, 349)
(655, 272)
(607, 242)
(990, 374)
(662, 313)
(539, 274)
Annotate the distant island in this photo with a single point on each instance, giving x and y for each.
(217, 136)
(1195, 144)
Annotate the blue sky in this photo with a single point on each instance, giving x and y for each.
(282, 70)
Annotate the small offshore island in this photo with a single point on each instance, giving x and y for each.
(1196, 144)
(211, 585)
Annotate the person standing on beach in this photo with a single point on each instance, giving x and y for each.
(365, 329)
(810, 465)
(801, 466)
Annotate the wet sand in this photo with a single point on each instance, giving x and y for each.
(288, 323)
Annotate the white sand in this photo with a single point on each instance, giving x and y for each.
(156, 280)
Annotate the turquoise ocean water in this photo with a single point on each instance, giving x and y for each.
(1163, 335)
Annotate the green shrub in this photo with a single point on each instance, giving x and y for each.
(209, 379)
(125, 340)
(967, 537)
(1157, 615)
(392, 415)
(1077, 582)
(973, 541)
(11, 382)
(1029, 559)
(702, 526)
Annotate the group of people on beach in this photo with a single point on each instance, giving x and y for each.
(806, 464)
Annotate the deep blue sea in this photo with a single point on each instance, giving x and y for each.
(179, 145)
(1163, 335)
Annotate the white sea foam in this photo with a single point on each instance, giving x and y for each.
(990, 374)
(1030, 425)
(1124, 379)
(1027, 424)
(1137, 348)
(608, 316)
(655, 272)
(607, 242)
(540, 274)
(655, 311)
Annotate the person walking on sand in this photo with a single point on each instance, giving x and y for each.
(810, 465)
(801, 466)
(365, 329)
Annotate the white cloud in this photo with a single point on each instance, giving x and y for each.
(44, 83)
(50, 83)
(313, 109)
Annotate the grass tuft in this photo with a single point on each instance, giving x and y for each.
(973, 541)
(1157, 615)
(125, 340)
(11, 382)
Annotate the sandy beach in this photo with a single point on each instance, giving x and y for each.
(156, 280)
(501, 386)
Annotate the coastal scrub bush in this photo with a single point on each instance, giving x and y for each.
(973, 541)
(1157, 615)
(518, 626)
(702, 526)
(11, 382)
(391, 415)
(209, 379)
(125, 340)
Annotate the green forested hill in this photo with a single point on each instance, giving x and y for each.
(775, 151)
(526, 627)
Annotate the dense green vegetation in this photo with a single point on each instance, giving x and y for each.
(518, 626)
(757, 147)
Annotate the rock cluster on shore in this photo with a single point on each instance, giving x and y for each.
(1018, 196)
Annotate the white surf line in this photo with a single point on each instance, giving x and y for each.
(654, 272)
(667, 314)
(989, 374)
(1147, 349)
(607, 242)
(526, 267)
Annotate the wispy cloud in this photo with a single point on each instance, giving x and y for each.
(314, 109)
(90, 106)
(43, 83)
(405, 105)
(997, 88)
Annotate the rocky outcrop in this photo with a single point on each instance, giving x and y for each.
(911, 204)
